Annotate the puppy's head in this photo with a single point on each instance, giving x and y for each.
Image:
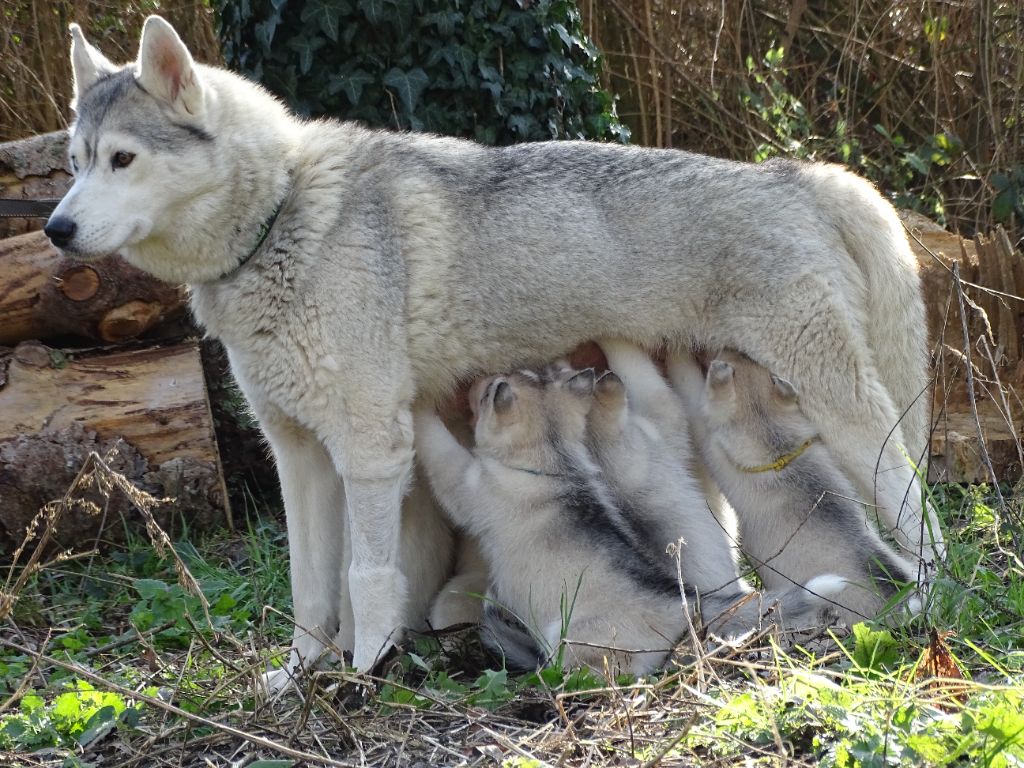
(568, 401)
(509, 414)
(747, 403)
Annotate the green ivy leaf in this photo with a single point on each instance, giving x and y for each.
(489, 73)
(306, 46)
(352, 84)
(327, 15)
(373, 10)
(1002, 206)
(461, 56)
(444, 21)
(407, 85)
(264, 31)
(524, 125)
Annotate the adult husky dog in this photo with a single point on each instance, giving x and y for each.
(349, 271)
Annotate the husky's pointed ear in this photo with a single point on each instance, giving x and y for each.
(165, 68)
(582, 383)
(504, 398)
(87, 64)
(783, 390)
(720, 375)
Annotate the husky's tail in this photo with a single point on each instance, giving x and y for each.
(894, 310)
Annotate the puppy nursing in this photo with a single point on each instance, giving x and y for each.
(639, 435)
(797, 511)
(574, 494)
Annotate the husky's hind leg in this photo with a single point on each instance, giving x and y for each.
(427, 553)
(314, 502)
(460, 600)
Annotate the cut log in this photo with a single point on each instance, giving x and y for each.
(992, 274)
(33, 168)
(150, 405)
(44, 295)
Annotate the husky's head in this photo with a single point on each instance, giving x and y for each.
(753, 411)
(149, 160)
(127, 143)
(520, 420)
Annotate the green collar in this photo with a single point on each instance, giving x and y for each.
(265, 228)
(535, 472)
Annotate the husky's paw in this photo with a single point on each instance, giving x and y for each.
(810, 606)
(459, 601)
(275, 682)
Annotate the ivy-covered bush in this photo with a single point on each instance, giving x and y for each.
(498, 71)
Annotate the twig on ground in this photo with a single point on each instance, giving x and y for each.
(178, 711)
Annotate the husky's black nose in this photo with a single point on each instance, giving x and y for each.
(60, 230)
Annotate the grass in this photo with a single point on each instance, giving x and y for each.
(110, 659)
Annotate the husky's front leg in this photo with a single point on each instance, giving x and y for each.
(376, 463)
(314, 502)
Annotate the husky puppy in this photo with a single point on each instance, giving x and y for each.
(564, 561)
(798, 513)
(350, 272)
(638, 434)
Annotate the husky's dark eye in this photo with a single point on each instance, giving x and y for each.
(74, 164)
(121, 160)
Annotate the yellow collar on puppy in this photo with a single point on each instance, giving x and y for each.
(783, 461)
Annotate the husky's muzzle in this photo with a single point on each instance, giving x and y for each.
(60, 230)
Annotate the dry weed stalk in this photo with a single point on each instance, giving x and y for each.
(95, 475)
(35, 72)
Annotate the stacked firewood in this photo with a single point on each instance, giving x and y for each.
(93, 357)
(976, 419)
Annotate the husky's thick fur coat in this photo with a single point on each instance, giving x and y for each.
(401, 264)
(798, 514)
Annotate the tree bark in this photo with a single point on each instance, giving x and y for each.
(993, 274)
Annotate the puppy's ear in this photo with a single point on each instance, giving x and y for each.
(609, 388)
(721, 376)
(166, 71)
(87, 64)
(783, 391)
(556, 371)
(504, 398)
(582, 384)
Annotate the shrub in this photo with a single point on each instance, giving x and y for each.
(498, 71)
